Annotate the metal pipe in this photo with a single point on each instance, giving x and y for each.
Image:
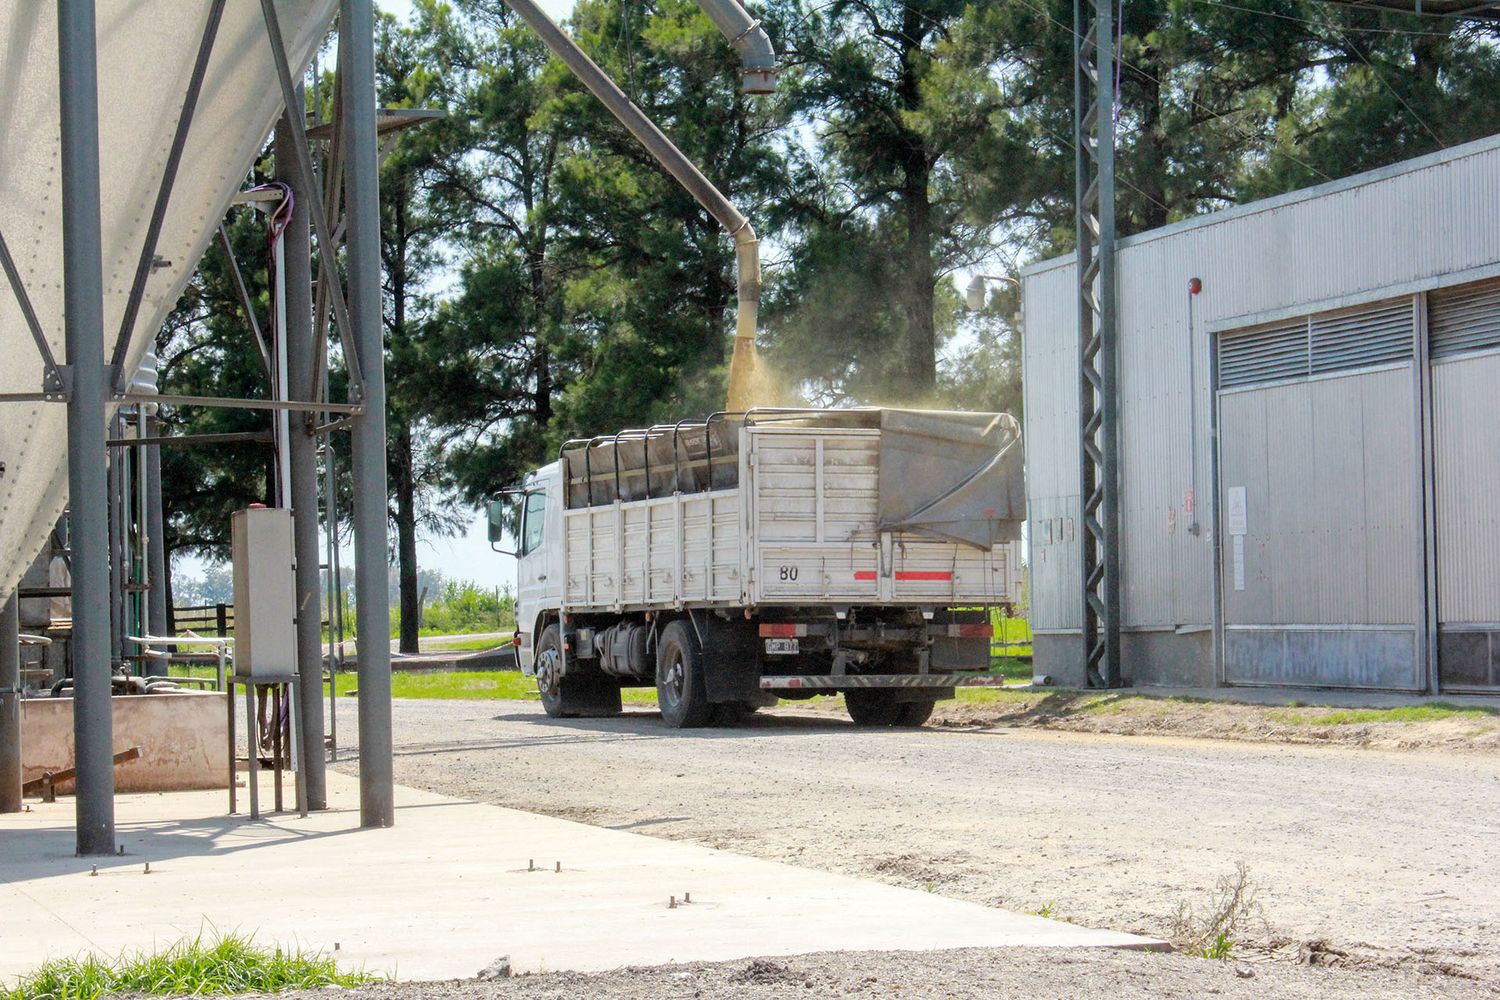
(53, 378)
(156, 551)
(83, 316)
(156, 439)
(10, 705)
(372, 611)
(334, 586)
(746, 245)
(302, 451)
(231, 403)
(115, 479)
(245, 302)
(746, 36)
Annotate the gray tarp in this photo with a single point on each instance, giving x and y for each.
(957, 476)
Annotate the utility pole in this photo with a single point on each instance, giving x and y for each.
(373, 608)
(83, 310)
(1098, 385)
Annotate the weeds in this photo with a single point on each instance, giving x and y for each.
(1220, 948)
(1212, 932)
(1046, 910)
(230, 964)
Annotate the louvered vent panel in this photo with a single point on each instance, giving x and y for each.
(1376, 336)
(1462, 319)
(1265, 355)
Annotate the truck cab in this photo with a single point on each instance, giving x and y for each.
(535, 513)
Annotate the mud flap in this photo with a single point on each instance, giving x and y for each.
(731, 657)
(590, 694)
(953, 653)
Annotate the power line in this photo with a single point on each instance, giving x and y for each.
(1220, 115)
(1491, 10)
(1376, 73)
(1315, 24)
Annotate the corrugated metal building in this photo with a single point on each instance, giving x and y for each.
(1310, 447)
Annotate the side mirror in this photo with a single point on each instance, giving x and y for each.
(496, 510)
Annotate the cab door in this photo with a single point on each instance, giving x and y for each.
(531, 569)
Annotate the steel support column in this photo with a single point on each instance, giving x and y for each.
(1098, 395)
(83, 312)
(372, 600)
(303, 451)
(10, 705)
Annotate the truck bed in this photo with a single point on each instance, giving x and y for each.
(800, 525)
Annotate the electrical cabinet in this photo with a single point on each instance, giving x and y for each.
(265, 602)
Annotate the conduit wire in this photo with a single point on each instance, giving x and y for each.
(1382, 81)
(1246, 135)
(1315, 24)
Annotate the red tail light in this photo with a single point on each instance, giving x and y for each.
(781, 630)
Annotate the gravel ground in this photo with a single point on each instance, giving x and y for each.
(987, 974)
(1356, 858)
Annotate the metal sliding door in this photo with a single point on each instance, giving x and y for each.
(1464, 325)
(1321, 512)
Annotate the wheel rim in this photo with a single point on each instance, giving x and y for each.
(546, 671)
(674, 680)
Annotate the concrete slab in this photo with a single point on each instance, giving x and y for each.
(447, 890)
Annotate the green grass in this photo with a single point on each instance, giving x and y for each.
(474, 685)
(461, 645)
(1220, 949)
(1428, 712)
(1010, 647)
(228, 965)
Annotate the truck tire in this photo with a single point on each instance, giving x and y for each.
(872, 707)
(915, 713)
(585, 693)
(729, 713)
(680, 688)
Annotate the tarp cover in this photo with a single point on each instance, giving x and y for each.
(957, 476)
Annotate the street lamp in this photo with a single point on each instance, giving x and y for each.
(974, 294)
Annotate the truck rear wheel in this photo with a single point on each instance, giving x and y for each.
(681, 691)
(584, 692)
(915, 713)
(871, 707)
(877, 707)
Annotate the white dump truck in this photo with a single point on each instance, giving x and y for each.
(769, 554)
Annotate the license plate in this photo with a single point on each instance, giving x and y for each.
(782, 646)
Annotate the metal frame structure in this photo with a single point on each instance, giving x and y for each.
(88, 385)
(1098, 378)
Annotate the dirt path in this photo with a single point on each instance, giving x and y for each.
(1357, 857)
(952, 975)
(1472, 728)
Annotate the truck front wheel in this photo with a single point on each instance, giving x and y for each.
(680, 688)
(585, 691)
